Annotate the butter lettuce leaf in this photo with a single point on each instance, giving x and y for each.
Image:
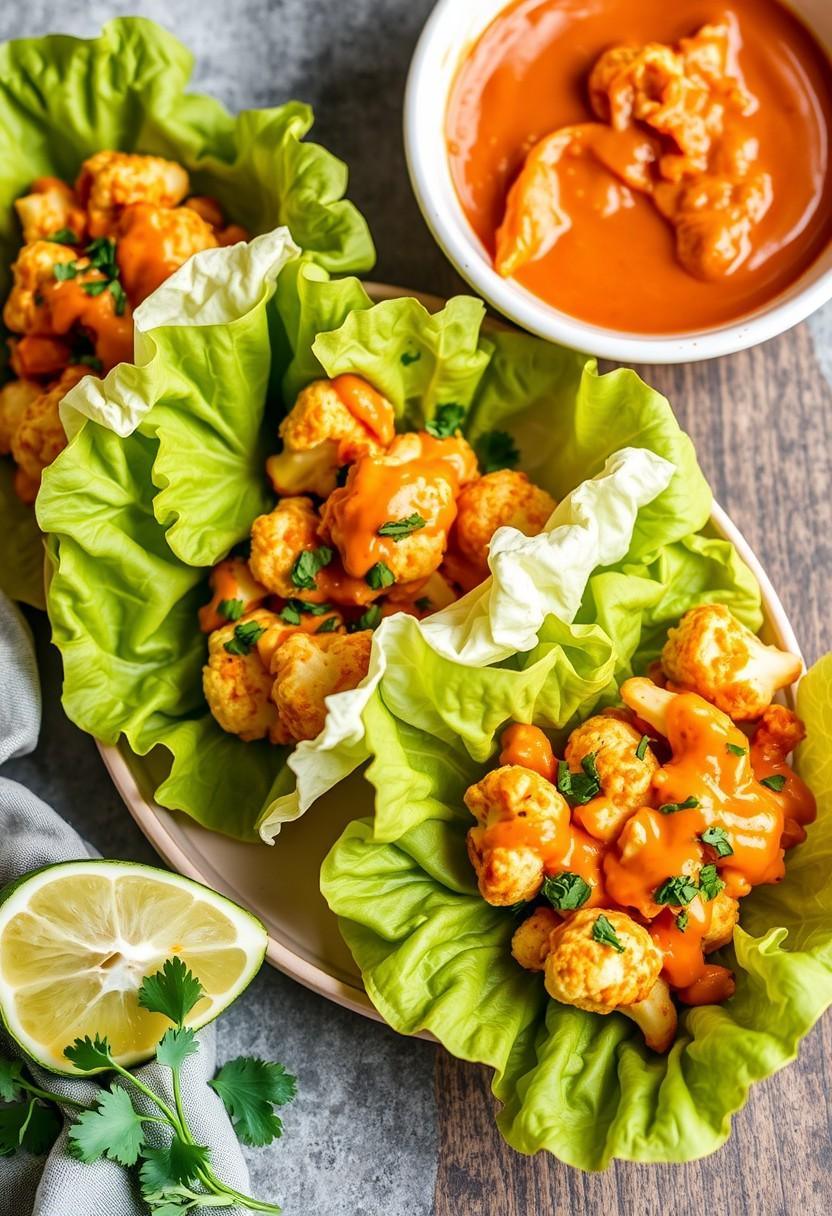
(435, 957)
(64, 98)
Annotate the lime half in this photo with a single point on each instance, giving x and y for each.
(77, 939)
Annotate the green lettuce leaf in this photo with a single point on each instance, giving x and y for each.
(435, 957)
(63, 98)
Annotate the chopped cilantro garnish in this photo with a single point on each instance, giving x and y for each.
(736, 750)
(579, 788)
(91, 361)
(119, 297)
(307, 565)
(710, 884)
(289, 614)
(603, 931)
(65, 270)
(328, 626)
(643, 744)
(245, 637)
(497, 450)
(102, 255)
(566, 891)
(718, 840)
(446, 421)
(367, 620)
(380, 576)
(775, 782)
(669, 808)
(682, 920)
(676, 891)
(232, 610)
(424, 603)
(398, 529)
(64, 236)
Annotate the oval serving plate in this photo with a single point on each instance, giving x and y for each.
(280, 884)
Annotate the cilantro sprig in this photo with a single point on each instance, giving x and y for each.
(579, 788)
(101, 255)
(398, 529)
(176, 1175)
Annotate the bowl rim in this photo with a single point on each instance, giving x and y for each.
(452, 232)
(161, 827)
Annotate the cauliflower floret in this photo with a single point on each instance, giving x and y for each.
(497, 500)
(34, 268)
(528, 746)
(778, 734)
(109, 181)
(712, 653)
(278, 539)
(39, 355)
(238, 686)
(14, 399)
(455, 451)
(233, 586)
(155, 241)
(308, 669)
(321, 434)
(625, 778)
(207, 208)
(655, 1017)
(51, 207)
(586, 969)
(40, 437)
(522, 821)
(530, 943)
(725, 912)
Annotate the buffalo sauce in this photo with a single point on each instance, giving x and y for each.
(528, 747)
(617, 262)
(69, 307)
(367, 406)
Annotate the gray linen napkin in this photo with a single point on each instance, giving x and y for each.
(32, 835)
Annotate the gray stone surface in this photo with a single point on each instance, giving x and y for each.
(361, 1138)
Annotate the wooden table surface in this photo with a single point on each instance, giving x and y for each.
(762, 424)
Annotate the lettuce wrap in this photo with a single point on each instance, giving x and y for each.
(435, 957)
(63, 98)
(137, 522)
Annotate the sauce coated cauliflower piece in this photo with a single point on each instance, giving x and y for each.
(501, 499)
(585, 970)
(530, 943)
(712, 653)
(725, 912)
(49, 208)
(14, 399)
(154, 242)
(238, 686)
(233, 587)
(778, 734)
(626, 778)
(278, 539)
(110, 181)
(522, 823)
(39, 436)
(34, 268)
(309, 668)
(321, 433)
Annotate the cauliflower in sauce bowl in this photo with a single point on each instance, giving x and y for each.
(633, 852)
(91, 254)
(367, 523)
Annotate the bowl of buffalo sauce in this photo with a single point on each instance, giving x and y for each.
(642, 180)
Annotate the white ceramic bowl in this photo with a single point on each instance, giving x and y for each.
(452, 28)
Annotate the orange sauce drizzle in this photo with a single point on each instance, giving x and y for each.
(367, 406)
(528, 747)
(69, 306)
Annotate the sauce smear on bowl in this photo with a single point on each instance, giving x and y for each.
(646, 167)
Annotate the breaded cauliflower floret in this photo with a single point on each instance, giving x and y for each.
(50, 207)
(235, 588)
(320, 434)
(625, 779)
(110, 181)
(530, 943)
(712, 653)
(155, 241)
(454, 450)
(309, 668)
(585, 970)
(521, 821)
(238, 686)
(34, 268)
(497, 500)
(14, 398)
(278, 539)
(779, 732)
(40, 437)
(725, 912)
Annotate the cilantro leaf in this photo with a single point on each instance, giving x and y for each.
(250, 1089)
(497, 450)
(289, 614)
(119, 296)
(566, 891)
(736, 750)
(102, 255)
(177, 1044)
(710, 884)
(643, 744)
(579, 788)
(717, 838)
(246, 636)
(64, 236)
(398, 529)
(232, 610)
(65, 270)
(96, 287)
(40, 1129)
(379, 576)
(670, 808)
(113, 1129)
(676, 891)
(175, 1163)
(682, 920)
(294, 609)
(775, 782)
(307, 565)
(446, 420)
(173, 991)
(90, 1054)
(603, 932)
(10, 1071)
(367, 620)
(328, 626)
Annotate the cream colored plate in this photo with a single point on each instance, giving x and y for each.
(280, 884)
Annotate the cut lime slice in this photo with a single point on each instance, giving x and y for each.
(77, 939)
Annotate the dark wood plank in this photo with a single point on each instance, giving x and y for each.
(762, 424)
